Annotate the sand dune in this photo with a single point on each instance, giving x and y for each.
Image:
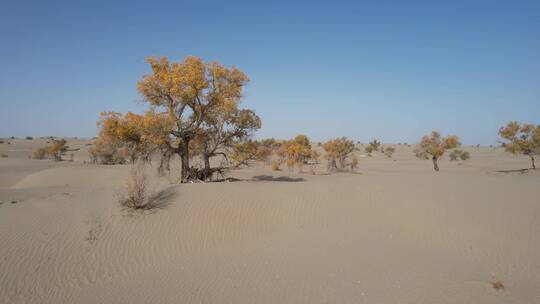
(397, 232)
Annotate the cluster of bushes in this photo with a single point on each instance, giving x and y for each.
(55, 150)
(459, 154)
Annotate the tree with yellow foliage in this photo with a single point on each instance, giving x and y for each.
(338, 150)
(225, 128)
(522, 138)
(296, 151)
(189, 92)
(435, 146)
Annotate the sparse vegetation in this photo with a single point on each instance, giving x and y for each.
(374, 144)
(29, 138)
(135, 195)
(354, 163)
(3, 155)
(388, 151)
(459, 154)
(55, 150)
(521, 139)
(369, 150)
(434, 145)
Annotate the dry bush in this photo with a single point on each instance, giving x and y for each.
(419, 153)
(275, 166)
(354, 163)
(459, 154)
(3, 155)
(369, 150)
(498, 285)
(2, 141)
(55, 150)
(375, 144)
(389, 151)
(135, 195)
(29, 138)
(39, 153)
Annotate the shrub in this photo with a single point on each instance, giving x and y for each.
(354, 163)
(29, 137)
(369, 150)
(2, 141)
(375, 144)
(389, 151)
(465, 155)
(57, 149)
(3, 155)
(275, 166)
(454, 155)
(40, 153)
(135, 194)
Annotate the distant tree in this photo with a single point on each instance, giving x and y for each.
(522, 138)
(435, 146)
(337, 152)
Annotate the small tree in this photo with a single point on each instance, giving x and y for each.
(435, 146)
(337, 152)
(522, 138)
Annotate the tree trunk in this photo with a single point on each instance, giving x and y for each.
(184, 155)
(533, 162)
(435, 165)
(207, 171)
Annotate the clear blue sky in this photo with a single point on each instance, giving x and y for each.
(392, 70)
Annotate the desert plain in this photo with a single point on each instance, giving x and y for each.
(395, 231)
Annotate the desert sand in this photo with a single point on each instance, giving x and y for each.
(394, 232)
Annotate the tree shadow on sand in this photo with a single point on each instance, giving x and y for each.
(161, 199)
(269, 178)
(521, 171)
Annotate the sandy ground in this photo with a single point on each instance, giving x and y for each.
(395, 232)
